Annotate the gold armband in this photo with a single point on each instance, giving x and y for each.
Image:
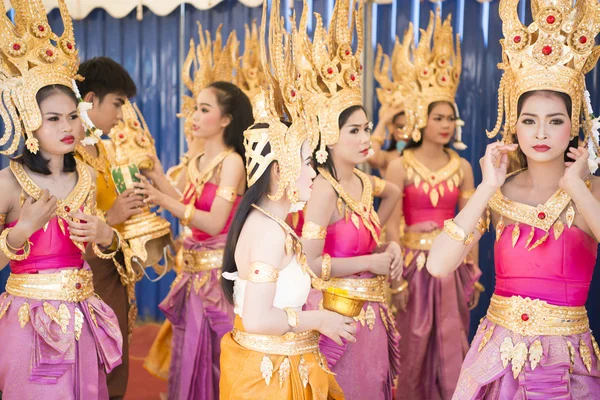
(400, 288)
(188, 215)
(112, 249)
(326, 267)
(10, 251)
(312, 231)
(379, 186)
(227, 193)
(467, 194)
(262, 273)
(378, 139)
(2, 220)
(479, 287)
(292, 317)
(457, 233)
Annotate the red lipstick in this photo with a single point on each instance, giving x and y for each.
(68, 139)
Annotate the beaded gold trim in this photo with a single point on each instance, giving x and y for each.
(12, 255)
(378, 187)
(289, 344)
(2, 220)
(199, 178)
(227, 193)
(72, 285)
(362, 209)
(262, 273)
(430, 182)
(312, 231)
(197, 261)
(419, 240)
(528, 317)
(101, 163)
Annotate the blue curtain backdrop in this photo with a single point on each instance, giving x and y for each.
(150, 51)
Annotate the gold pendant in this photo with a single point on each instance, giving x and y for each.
(384, 318)
(355, 221)
(535, 353)
(596, 350)
(92, 315)
(78, 325)
(516, 232)
(441, 189)
(486, 337)
(434, 196)
(571, 355)
(284, 372)
(500, 228)
(425, 187)
(421, 260)
(64, 315)
(408, 258)
(540, 241)
(456, 180)
(570, 215)
(3, 310)
(506, 349)
(23, 314)
(409, 173)
(360, 318)
(303, 371)
(417, 181)
(266, 369)
(530, 237)
(450, 184)
(519, 355)
(370, 317)
(558, 229)
(46, 226)
(586, 355)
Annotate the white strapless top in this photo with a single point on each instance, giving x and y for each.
(293, 287)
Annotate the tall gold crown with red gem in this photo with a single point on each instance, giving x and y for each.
(249, 72)
(212, 61)
(553, 53)
(31, 57)
(329, 68)
(432, 75)
(280, 101)
(391, 92)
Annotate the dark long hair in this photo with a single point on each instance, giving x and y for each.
(392, 143)
(37, 162)
(232, 101)
(413, 144)
(342, 119)
(252, 196)
(574, 142)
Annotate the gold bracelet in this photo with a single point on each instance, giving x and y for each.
(13, 256)
(326, 267)
(400, 288)
(481, 226)
(188, 215)
(467, 194)
(227, 193)
(292, 317)
(479, 287)
(379, 186)
(262, 273)
(457, 233)
(312, 231)
(378, 139)
(113, 247)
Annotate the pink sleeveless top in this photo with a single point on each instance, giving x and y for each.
(558, 271)
(417, 207)
(204, 203)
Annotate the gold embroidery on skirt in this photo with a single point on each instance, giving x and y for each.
(3, 310)
(370, 317)
(586, 355)
(384, 319)
(361, 317)
(78, 325)
(571, 355)
(23, 314)
(303, 371)
(284, 371)
(266, 369)
(596, 350)
(535, 353)
(92, 315)
(421, 260)
(519, 355)
(486, 337)
(506, 349)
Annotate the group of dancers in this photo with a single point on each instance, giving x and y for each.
(290, 284)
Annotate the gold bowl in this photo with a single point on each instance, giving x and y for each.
(338, 300)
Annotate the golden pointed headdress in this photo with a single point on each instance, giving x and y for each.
(391, 91)
(31, 57)
(330, 70)
(433, 74)
(212, 62)
(249, 71)
(280, 101)
(553, 53)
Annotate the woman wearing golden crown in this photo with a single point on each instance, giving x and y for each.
(268, 281)
(535, 341)
(196, 307)
(341, 229)
(433, 314)
(58, 340)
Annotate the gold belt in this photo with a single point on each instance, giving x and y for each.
(196, 261)
(369, 289)
(528, 317)
(419, 240)
(290, 344)
(71, 285)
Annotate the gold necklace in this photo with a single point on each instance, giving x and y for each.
(100, 163)
(199, 178)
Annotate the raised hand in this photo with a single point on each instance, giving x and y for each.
(495, 162)
(336, 326)
(89, 229)
(35, 214)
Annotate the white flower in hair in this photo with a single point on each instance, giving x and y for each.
(83, 107)
(89, 141)
(295, 207)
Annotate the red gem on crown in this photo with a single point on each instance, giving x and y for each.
(547, 50)
(583, 40)
(41, 28)
(49, 53)
(16, 47)
(330, 70)
(352, 77)
(517, 39)
(347, 52)
(550, 19)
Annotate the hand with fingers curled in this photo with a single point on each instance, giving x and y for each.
(85, 228)
(157, 169)
(152, 196)
(495, 163)
(35, 214)
(577, 171)
(424, 226)
(337, 327)
(397, 265)
(126, 206)
(380, 263)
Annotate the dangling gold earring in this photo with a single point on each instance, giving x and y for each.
(416, 135)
